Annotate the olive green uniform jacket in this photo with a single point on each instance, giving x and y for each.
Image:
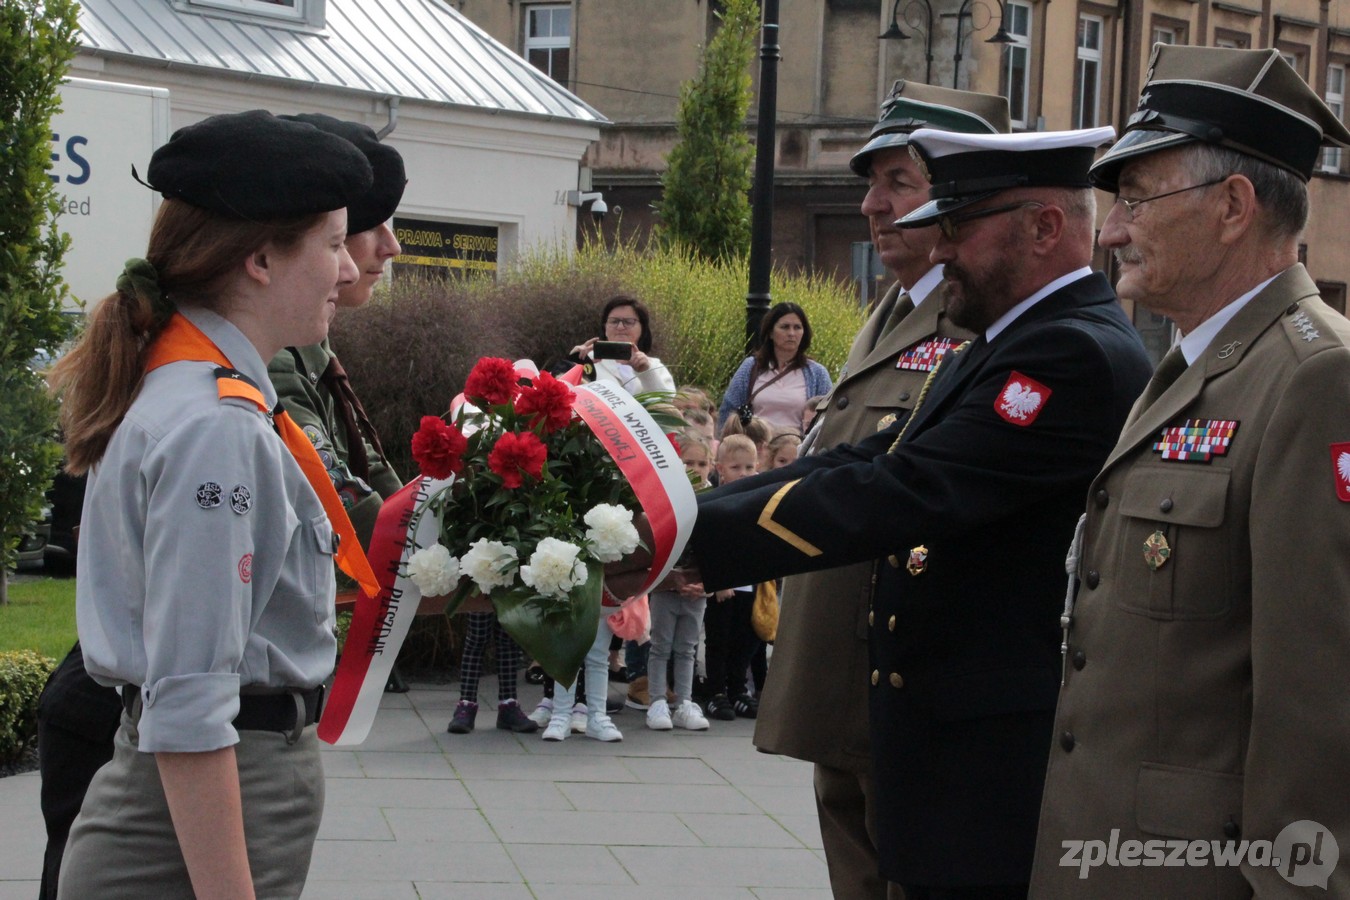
(296, 373)
(815, 705)
(1207, 696)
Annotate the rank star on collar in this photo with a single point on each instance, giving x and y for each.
(1021, 399)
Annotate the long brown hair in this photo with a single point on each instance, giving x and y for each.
(765, 359)
(193, 251)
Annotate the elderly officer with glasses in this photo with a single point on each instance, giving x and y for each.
(966, 509)
(1203, 729)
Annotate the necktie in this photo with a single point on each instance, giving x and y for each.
(353, 417)
(181, 340)
(903, 307)
(1168, 371)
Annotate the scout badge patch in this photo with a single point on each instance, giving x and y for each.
(925, 355)
(1156, 550)
(1340, 465)
(1196, 440)
(1021, 399)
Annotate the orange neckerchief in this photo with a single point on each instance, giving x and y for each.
(181, 340)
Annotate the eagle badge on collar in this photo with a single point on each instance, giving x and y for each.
(1021, 399)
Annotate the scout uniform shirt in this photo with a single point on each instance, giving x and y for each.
(206, 560)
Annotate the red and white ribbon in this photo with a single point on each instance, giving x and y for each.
(645, 456)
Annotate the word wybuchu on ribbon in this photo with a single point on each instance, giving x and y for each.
(380, 623)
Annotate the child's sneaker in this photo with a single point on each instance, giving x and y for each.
(600, 727)
(658, 716)
(543, 712)
(638, 698)
(510, 717)
(688, 716)
(719, 707)
(559, 727)
(579, 719)
(745, 706)
(462, 721)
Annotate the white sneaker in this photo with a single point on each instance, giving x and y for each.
(601, 727)
(579, 719)
(543, 712)
(658, 716)
(558, 727)
(688, 715)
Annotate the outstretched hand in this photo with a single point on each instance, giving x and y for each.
(628, 574)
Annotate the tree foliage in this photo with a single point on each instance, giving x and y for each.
(37, 42)
(705, 203)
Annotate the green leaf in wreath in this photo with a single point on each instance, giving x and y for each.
(560, 640)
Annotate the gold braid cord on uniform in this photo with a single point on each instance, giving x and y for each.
(779, 530)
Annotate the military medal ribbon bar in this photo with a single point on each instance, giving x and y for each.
(1196, 440)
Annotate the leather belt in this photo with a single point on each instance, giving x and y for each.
(272, 711)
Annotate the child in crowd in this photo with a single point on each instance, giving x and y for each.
(731, 640)
(758, 431)
(676, 618)
(783, 449)
(691, 396)
(481, 626)
(701, 422)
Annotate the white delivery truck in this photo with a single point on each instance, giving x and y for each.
(102, 131)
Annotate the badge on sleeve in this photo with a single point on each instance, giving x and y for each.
(1340, 466)
(315, 436)
(208, 495)
(246, 568)
(1021, 399)
(241, 499)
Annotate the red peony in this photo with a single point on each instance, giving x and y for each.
(517, 454)
(438, 448)
(548, 400)
(492, 381)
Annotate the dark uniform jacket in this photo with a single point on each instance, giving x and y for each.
(1208, 693)
(296, 373)
(815, 705)
(969, 519)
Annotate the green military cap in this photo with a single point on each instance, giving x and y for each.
(967, 168)
(1250, 101)
(912, 105)
(378, 204)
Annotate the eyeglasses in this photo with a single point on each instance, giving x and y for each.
(621, 323)
(1132, 205)
(951, 224)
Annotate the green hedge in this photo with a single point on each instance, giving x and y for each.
(22, 676)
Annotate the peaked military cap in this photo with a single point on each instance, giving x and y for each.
(912, 106)
(968, 168)
(256, 166)
(377, 205)
(1250, 101)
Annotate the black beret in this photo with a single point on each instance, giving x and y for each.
(253, 165)
(378, 204)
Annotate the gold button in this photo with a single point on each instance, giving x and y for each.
(896, 680)
(871, 617)
(891, 623)
(876, 676)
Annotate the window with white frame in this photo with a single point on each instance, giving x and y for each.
(548, 39)
(1165, 36)
(276, 9)
(1089, 72)
(1331, 157)
(1017, 61)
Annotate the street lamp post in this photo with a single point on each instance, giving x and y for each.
(895, 33)
(758, 297)
(1000, 37)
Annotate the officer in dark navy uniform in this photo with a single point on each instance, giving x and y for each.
(967, 509)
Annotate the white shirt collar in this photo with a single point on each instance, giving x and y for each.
(925, 285)
(1194, 344)
(1003, 321)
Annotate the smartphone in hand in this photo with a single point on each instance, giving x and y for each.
(612, 350)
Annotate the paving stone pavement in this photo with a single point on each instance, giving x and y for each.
(415, 812)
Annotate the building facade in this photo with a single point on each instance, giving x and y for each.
(1062, 65)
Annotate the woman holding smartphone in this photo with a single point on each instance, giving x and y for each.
(624, 320)
(205, 582)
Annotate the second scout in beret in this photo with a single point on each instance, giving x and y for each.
(1250, 101)
(377, 205)
(967, 168)
(256, 166)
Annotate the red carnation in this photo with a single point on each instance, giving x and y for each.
(679, 451)
(438, 448)
(517, 454)
(492, 381)
(548, 400)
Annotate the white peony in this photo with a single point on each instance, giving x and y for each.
(433, 570)
(491, 564)
(611, 535)
(554, 568)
